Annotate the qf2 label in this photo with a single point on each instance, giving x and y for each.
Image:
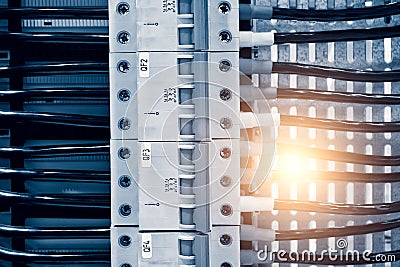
(145, 156)
(147, 249)
(144, 65)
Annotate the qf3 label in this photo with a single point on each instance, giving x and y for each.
(146, 155)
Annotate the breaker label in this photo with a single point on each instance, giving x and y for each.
(146, 155)
(169, 6)
(147, 250)
(170, 95)
(170, 185)
(144, 63)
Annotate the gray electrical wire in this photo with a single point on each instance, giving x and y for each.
(253, 66)
(356, 177)
(336, 73)
(56, 38)
(57, 175)
(248, 11)
(29, 232)
(341, 97)
(27, 257)
(340, 156)
(55, 69)
(335, 208)
(44, 12)
(340, 125)
(87, 201)
(81, 92)
(12, 117)
(337, 231)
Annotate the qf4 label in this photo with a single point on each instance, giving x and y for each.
(147, 250)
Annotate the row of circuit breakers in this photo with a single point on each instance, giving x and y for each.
(179, 141)
(175, 136)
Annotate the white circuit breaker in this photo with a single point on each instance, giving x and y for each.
(175, 128)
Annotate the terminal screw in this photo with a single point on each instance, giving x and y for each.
(225, 239)
(225, 94)
(124, 95)
(123, 66)
(125, 241)
(225, 123)
(225, 152)
(124, 37)
(225, 181)
(124, 153)
(125, 210)
(124, 124)
(123, 8)
(226, 210)
(224, 8)
(225, 66)
(125, 181)
(225, 37)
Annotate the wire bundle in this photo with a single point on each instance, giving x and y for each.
(53, 116)
(386, 211)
